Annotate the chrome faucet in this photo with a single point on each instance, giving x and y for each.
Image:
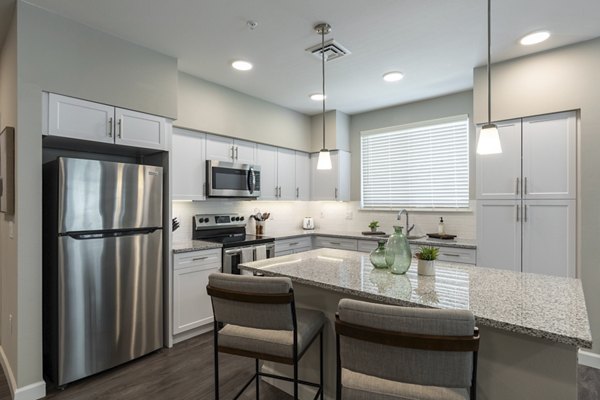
(408, 229)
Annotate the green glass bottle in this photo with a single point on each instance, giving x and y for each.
(397, 254)
(377, 256)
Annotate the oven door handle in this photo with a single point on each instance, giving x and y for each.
(251, 180)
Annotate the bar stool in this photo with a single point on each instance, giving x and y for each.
(390, 353)
(256, 317)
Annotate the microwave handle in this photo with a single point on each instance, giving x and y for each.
(251, 180)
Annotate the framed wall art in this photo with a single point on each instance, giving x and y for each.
(7, 170)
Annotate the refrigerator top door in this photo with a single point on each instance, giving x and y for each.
(101, 195)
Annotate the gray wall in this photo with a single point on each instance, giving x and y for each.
(208, 107)
(59, 55)
(8, 247)
(558, 80)
(439, 107)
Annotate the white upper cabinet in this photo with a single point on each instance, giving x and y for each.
(499, 234)
(80, 119)
(286, 174)
(85, 120)
(140, 130)
(302, 161)
(549, 237)
(188, 165)
(549, 156)
(267, 156)
(220, 148)
(334, 183)
(499, 175)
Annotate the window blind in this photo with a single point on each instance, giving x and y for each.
(424, 165)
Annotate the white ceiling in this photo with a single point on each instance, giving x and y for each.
(436, 43)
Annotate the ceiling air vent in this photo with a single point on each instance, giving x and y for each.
(333, 50)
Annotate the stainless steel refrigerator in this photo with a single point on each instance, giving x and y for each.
(102, 265)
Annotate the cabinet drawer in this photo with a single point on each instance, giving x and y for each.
(367, 246)
(451, 254)
(292, 244)
(207, 258)
(336, 243)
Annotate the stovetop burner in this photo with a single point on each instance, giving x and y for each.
(228, 229)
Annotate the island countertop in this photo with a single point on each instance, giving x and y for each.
(537, 305)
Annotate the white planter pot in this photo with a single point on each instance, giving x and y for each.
(426, 267)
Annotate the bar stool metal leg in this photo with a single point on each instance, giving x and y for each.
(216, 358)
(321, 362)
(257, 381)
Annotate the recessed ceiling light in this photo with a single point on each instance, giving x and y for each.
(393, 76)
(241, 65)
(317, 97)
(534, 38)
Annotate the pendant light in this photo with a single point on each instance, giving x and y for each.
(324, 161)
(489, 140)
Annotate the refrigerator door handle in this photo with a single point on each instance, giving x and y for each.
(100, 235)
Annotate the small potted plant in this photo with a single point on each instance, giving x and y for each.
(427, 257)
(374, 225)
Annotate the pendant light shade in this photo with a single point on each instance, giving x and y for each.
(489, 139)
(324, 161)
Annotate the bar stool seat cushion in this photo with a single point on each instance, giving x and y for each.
(277, 343)
(359, 386)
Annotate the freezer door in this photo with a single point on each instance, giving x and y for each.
(102, 195)
(109, 302)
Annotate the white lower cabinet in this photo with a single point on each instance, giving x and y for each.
(291, 246)
(192, 307)
(366, 246)
(336, 243)
(536, 236)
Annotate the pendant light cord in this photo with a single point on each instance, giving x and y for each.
(323, 70)
(489, 72)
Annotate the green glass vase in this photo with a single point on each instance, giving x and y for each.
(377, 256)
(397, 253)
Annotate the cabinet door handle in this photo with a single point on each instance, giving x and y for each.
(297, 192)
(294, 244)
(276, 192)
(451, 255)
(199, 258)
(336, 243)
(336, 193)
(517, 186)
(232, 153)
(517, 208)
(279, 191)
(525, 185)
(110, 127)
(120, 131)
(236, 152)
(525, 213)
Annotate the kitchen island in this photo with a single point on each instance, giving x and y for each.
(531, 325)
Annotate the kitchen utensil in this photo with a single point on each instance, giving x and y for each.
(175, 223)
(266, 216)
(308, 223)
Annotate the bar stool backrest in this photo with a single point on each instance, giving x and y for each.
(417, 363)
(254, 302)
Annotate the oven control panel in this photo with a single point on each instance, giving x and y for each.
(203, 221)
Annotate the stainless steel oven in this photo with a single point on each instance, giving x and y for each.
(226, 179)
(232, 257)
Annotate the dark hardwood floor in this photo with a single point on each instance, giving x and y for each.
(183, 372)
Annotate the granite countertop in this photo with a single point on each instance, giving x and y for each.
(194, 245)
(537, 305)
(294, 233)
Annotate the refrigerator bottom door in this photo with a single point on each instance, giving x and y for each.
(109, 302)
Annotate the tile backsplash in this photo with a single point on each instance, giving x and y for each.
(328, 215)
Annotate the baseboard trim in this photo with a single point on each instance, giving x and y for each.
(30, 392)
(589, 359)
(180, 337)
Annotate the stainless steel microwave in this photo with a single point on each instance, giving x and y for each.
(225, 179)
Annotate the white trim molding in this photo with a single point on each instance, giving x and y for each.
(589, 359)
(34, 391)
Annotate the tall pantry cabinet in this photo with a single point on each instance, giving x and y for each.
(526, 197)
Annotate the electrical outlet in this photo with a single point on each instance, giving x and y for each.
(349, 215)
